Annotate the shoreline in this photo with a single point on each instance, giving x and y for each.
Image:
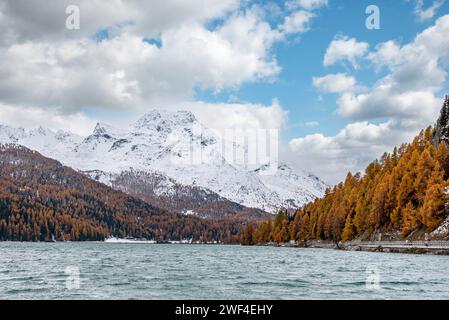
(428, 248)
(417, 247)
(411, 249)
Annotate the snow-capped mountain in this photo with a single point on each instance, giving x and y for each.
(177, 149)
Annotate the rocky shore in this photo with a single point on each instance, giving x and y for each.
(408, 247)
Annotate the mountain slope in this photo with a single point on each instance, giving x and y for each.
(168, 145)
(41, 200)
(165, 193)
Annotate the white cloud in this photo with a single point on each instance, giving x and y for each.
(350, 150)
(221, 116)
(69, 72)
(335, 83)
(297, 22)
(24, 21)
(430, 12)
(386, 54)
(343, 48)
(382, 102)
(33, 117)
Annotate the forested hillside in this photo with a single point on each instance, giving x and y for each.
(403, 194)
(42, 200)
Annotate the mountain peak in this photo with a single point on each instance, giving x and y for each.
(157, 117)
(105, 130)
(149, 117)
(41, 131)
(99, 129)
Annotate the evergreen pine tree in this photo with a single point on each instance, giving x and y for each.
(443, 121)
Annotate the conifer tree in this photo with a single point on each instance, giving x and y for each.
(348, 231)
(433, 210)
(305, 228)
(443, 121)
(379, 214)
(248, 235)
(424, 170)
(409, 219)
(442, 156)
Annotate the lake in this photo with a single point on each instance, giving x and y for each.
(154, 271)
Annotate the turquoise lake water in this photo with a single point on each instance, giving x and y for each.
(154, 271)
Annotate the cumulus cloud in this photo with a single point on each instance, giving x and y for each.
(428, 13)
(30, 117)
(386, 54)
(335, 83)
(297, 22)
(155, 53)
(381, 102)
(343, 48)
(24, 21)
(350, 150)
(238, 115)
(72, 74)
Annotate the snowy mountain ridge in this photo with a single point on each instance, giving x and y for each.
(166, 143)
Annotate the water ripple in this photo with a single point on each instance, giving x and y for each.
(108, 271)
